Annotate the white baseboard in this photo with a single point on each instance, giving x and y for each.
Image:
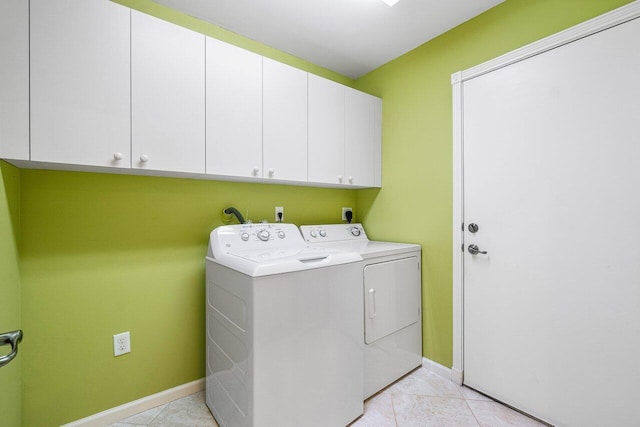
(438, 369)
(456, 376)
(128, 409)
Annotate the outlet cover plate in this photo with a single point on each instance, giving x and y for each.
(344, 211)
(277, 210)
(121, 344)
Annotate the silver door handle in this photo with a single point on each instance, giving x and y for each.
(12, 339)
(475, 250)
(372, 303)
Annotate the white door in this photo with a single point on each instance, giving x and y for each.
(234, 110)
(80, 82)
(552, 310)
(167, 96)
(284, 136)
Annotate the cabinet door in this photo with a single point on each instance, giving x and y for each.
(284, 122)
(234, 110)
(14, 80)
(80, 82)
(362, 139)
(167, 96)
(326, 131)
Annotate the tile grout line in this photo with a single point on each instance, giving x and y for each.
(393, 408)
(163, 409)
(472, 413)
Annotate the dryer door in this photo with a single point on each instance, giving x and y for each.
(392, 297)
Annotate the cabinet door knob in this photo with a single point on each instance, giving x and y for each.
(144, 158)
(339, 178)
(256, 170)
(272, 171)
(118, 156)
(350, 179)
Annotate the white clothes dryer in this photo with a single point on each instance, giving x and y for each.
(283, 329)
(390, 283)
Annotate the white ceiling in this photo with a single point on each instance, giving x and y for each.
(351, 37)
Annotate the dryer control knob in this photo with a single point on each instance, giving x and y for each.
(263, 235)
(355, 231)
(281, 234)
(323, 233)
(244, 236)
(312, 233)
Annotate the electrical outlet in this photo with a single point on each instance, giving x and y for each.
(121, 344)
(279, 210)
(344, 213)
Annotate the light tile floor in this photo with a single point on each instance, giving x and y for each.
(419, 399)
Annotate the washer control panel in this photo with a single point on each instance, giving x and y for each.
(262, 236)
(332, 233)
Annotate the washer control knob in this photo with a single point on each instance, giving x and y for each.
(263, 235)
(244, 236)
(313, 233)
(355, 231)
(281, 234)
(323, 233)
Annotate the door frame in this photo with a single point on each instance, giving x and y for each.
(587, 28)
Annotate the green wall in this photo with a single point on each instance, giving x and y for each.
(10, 375)
(416, 201)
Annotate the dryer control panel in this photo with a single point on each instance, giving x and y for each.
(333, 233)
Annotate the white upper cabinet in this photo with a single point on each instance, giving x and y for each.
(14, 80)
(167, 96)
(363, 115)
(234, 110)
(80, 90)
(284, 122)
(91, 83)
(326, 131)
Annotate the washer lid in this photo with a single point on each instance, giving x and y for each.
(256, 264)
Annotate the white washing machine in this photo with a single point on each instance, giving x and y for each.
(389, 280)
(284, 328)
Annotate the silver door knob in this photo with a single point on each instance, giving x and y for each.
(475, 250)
